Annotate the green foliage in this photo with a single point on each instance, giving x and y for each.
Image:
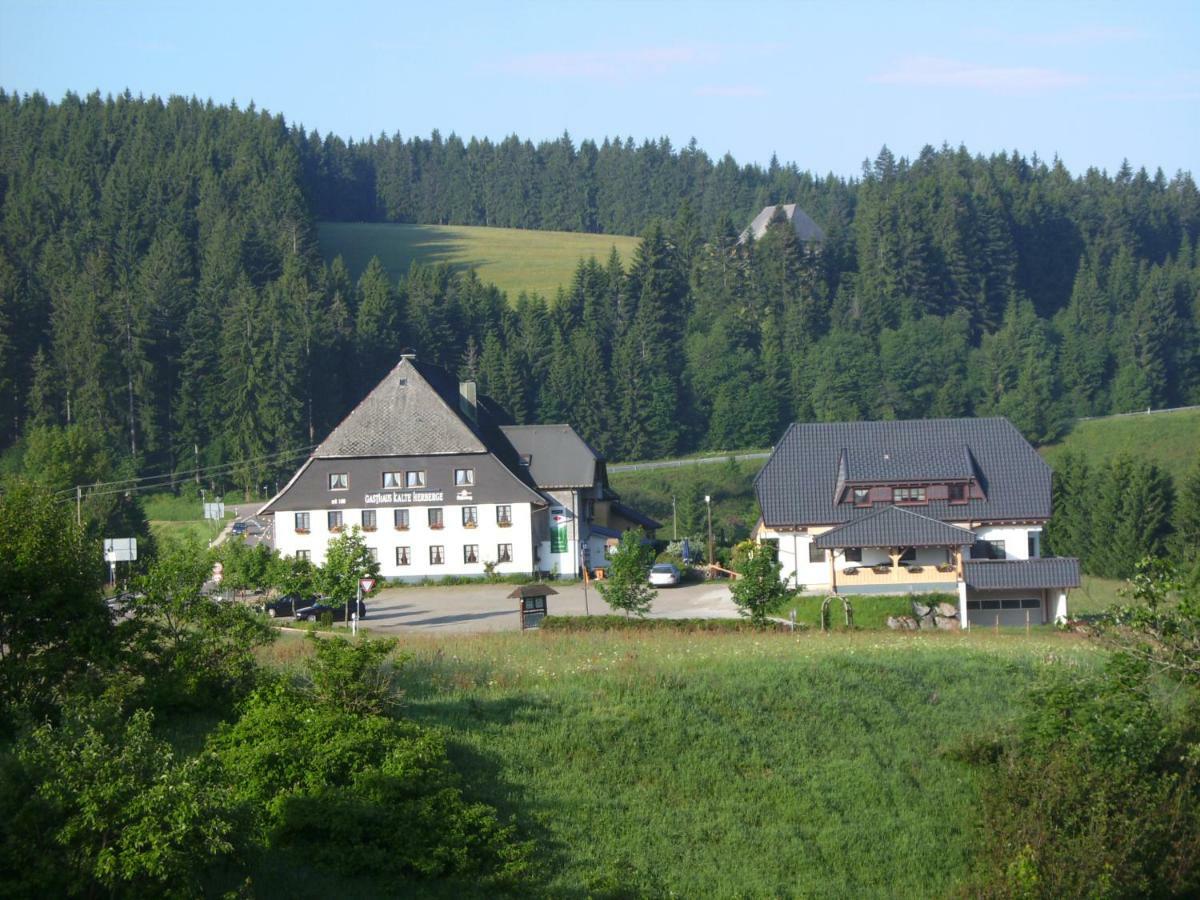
(189, 649)
(1166, 439)
(98, 805)
(355, 676)
(354, 792)
(759, 590)
(1097, 792)
(625, 585)
(347, 559)
(53, 621)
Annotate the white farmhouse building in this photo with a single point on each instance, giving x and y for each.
(439, 486)
(954, 505)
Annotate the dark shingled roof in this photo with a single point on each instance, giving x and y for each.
(797, 485)
(894, 526)
(637, 518)
(998, 574)
(559, 458)
(883, 464)
(413, 411)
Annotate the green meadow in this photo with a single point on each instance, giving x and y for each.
(1169, 439)
(722, 765)
(513, 259)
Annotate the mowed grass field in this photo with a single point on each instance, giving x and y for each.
(513, 259)
(701, 765)
(1169, 439)
(182, 518)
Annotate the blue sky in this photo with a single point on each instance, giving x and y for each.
(823, 84)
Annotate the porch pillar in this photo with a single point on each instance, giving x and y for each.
(832, 573)
(963, 621)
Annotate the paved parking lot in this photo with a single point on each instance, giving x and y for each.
(486, 607)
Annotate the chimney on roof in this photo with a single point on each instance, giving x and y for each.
(468, 400)
(408, 354)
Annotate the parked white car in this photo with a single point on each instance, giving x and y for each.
(664, 575)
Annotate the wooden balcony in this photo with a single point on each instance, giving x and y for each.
(851, 576)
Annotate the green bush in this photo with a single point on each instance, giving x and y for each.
(99, 806)
(1097, 794)
(357, 793)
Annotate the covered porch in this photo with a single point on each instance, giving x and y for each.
(894, 551)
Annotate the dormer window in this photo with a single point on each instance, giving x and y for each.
(908, 495)
(862, 496)
(958, 493)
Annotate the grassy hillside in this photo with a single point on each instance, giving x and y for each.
(514, 260)
(1170, 439)
(652, 764)
(730, 484)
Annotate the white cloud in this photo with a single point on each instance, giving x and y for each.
(937, 72)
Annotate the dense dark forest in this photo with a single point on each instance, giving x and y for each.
(160, 286)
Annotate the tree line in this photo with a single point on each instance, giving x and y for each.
(160, 285)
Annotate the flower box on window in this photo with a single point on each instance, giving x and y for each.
(402, 528)
(850, 570)
(504, 523)
(469, 525)
(436, 526)
(368, 528)
(916, 570)
(946, 567)
(337, 529)
(881, 570)
(302, 531)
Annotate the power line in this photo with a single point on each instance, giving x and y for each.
(185, 474)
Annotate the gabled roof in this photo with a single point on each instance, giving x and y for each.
(894, 526)
(413, 411)
(1017, 574)
(797, 485)
(806, 229)
(558, 456)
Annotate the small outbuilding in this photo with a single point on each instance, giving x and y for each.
(532, 605)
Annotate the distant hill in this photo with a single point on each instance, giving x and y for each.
(1169, 439)
(513, 259)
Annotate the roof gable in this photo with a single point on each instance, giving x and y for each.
(409, 413)
(806, 229)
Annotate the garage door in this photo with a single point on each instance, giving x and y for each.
(1010, 610)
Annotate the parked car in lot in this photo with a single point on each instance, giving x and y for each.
(337, 611)
(286, 605)
(664, 575)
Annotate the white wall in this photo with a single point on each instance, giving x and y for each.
(1015, 537)
(419, 538)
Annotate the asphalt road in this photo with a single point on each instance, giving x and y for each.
(486, 607)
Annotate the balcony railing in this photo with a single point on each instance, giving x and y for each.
(923, 573)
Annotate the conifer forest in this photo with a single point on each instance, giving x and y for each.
(160, 284)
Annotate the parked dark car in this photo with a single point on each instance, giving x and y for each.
(337, 611)
(238, 528)
(286, 605)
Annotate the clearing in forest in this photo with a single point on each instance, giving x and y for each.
(513, 259)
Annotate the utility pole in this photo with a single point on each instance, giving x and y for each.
(79, 505)
(674, 521)
(196, 451)
(708, 503)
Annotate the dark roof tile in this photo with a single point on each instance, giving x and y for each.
(1016, 574)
